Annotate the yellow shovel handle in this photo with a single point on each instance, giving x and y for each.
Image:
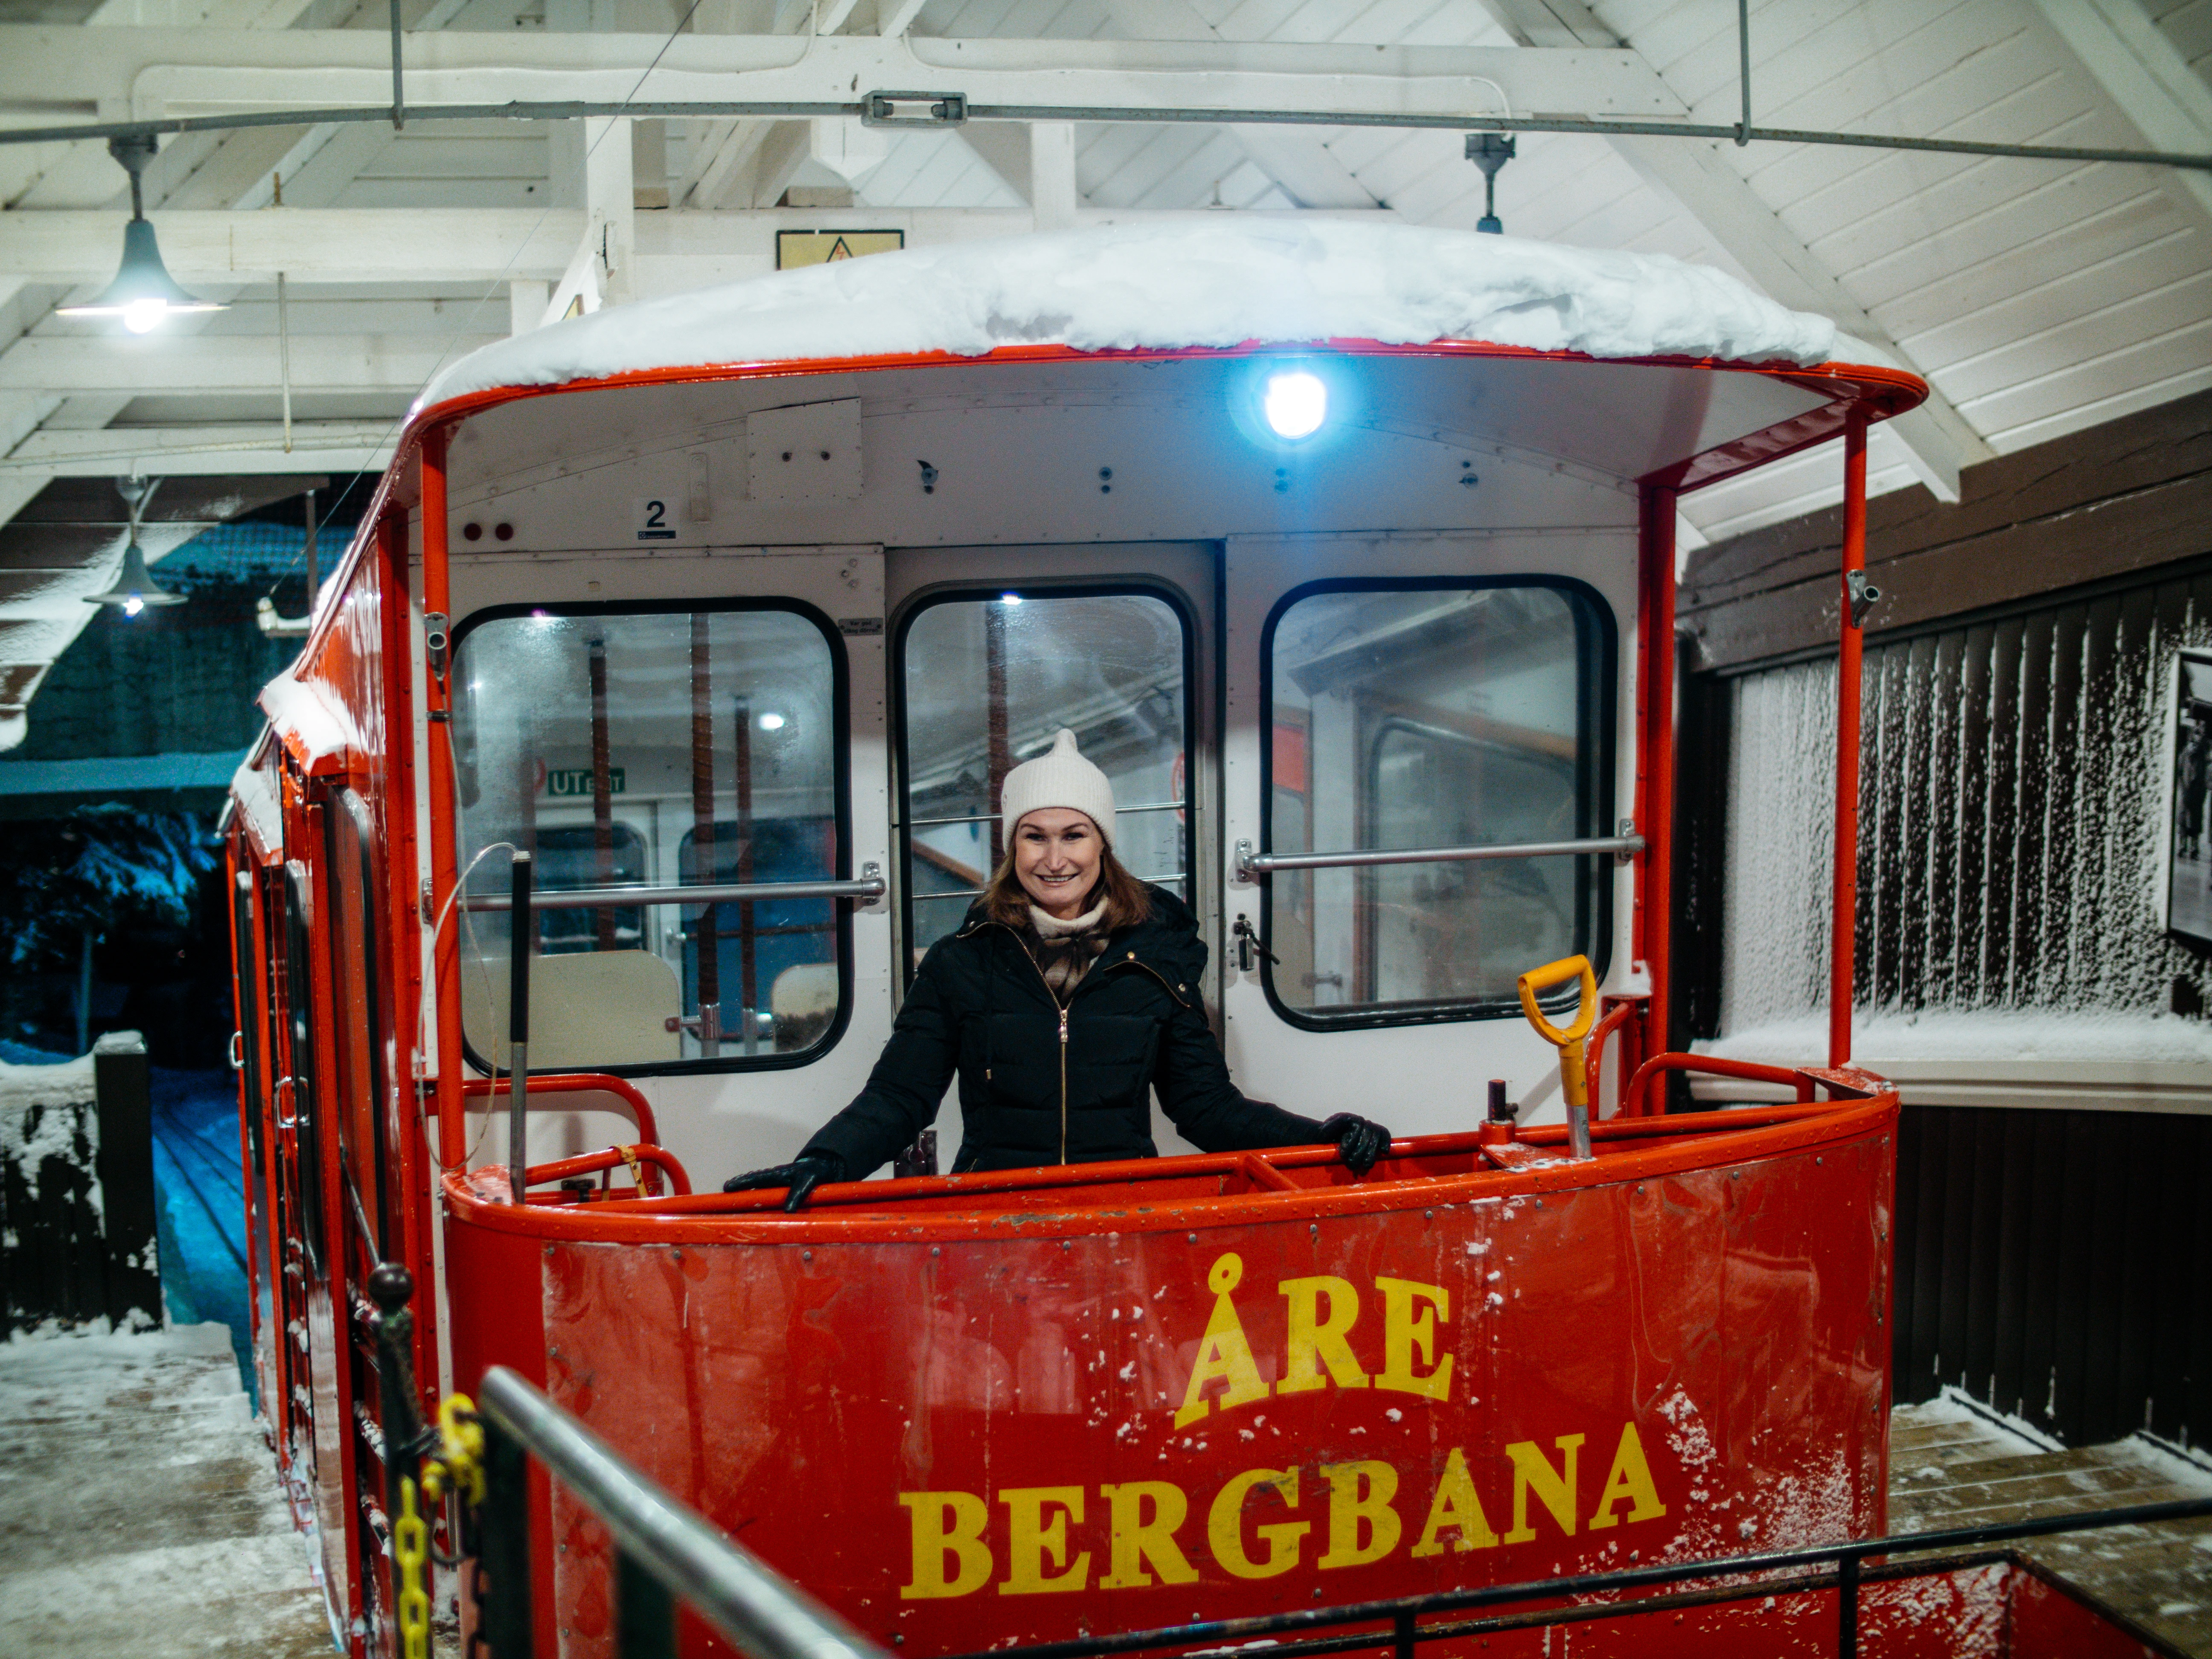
(1559, 972)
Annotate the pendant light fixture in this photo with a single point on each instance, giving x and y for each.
(1490, 151)
(134, 587)
(143, 292)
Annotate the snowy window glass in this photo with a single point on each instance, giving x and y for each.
(1422, 716)
(990, 681)
(2029, 851)
(665, 749)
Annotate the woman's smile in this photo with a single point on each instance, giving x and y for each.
(1056, 853)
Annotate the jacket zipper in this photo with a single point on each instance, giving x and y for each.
(1047, 983)
(1130, 962)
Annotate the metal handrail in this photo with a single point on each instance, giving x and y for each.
(1161, 880)
(1251, 864)
(993, 818)
(728, 1586)
(867, 887)
(1849, 1557)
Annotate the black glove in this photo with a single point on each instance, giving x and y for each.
(802, 1175)
(1359, 1140)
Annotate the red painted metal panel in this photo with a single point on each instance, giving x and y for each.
(963, 1428)
(498, 1318)
(2045, 1619)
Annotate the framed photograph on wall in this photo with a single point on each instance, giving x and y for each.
(2189, 802)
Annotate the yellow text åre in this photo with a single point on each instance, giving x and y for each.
(1319, 1313)
(1145, 1530)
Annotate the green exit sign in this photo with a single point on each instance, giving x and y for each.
(577, 781)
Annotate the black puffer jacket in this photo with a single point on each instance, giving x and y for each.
(1035, 1089)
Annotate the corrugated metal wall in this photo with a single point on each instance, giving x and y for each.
(2056, 1262)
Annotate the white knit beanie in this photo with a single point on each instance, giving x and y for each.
(1059, 777)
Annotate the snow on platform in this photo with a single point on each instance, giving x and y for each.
(140, 1510)
(1954, 1465)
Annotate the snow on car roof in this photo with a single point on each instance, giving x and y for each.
(1212, 283)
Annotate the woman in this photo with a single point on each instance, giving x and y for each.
(1069, 994)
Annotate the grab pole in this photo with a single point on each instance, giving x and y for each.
(522, 935)
(1843, 927)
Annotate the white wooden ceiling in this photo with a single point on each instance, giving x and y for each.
(2038, 298)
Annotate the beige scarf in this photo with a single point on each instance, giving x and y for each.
(1064, 950)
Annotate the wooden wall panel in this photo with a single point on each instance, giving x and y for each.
(2057, 1265)
(2118, 499)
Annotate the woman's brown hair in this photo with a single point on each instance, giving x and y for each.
(1004, 899)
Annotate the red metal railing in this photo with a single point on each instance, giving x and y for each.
(642, 1160)
(575, 1083)
(1710, 1066)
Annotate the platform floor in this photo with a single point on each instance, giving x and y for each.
(1951, 1465)
(140, 1511)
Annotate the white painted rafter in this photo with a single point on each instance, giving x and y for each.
(453, 248)
(2149, 84)
(177, 450)
(1936, 439)
(1298, 159)
(430, 244)
(216, 364)
(895, 17)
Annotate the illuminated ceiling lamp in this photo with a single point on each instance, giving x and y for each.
(143, 292)
(134, 587)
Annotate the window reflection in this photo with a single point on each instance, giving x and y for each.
(989, 682)
(662, 749)
(1431, 717)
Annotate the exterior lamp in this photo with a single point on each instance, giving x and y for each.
(1295, 404)
(143, 292)
(134, 587)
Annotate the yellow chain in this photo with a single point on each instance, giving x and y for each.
(636, 1173)
(412, 1547)
(459, 1461)
(460, 1466)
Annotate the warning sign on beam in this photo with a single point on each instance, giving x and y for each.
(794, 248)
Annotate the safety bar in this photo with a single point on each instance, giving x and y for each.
(1120, 810)
(641, 1160)
(576, 1083)
(1261, 1173)
(664, 1553)
(763, 1201)
(1712, 1066)
(1593, 1050)
(1251, 865)
(870, 885)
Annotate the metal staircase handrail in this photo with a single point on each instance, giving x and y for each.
(1847, 1559)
